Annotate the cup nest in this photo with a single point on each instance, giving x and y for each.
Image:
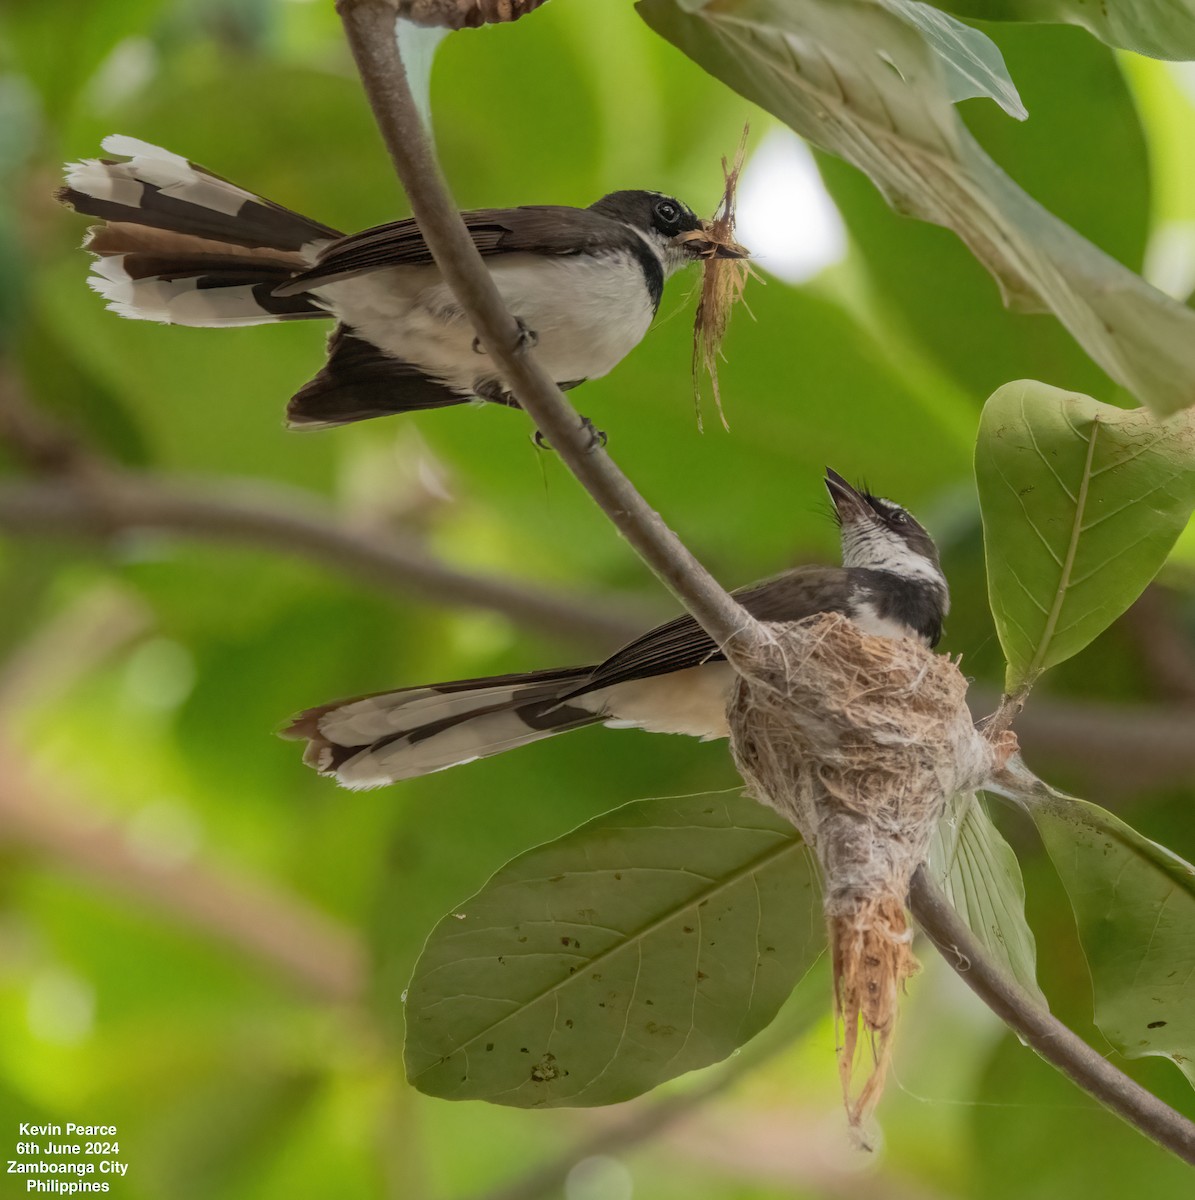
(859, 741)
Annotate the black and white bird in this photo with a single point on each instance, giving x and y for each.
(182, 246)
(673, 679)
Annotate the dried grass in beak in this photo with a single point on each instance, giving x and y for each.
(724, 275)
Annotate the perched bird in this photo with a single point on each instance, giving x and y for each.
(182, 246)
(673, 679)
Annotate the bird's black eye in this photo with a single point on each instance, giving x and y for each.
(667, 212)
(898, 518)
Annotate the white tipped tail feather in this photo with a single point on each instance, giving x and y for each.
(183, 246)
(375, 740)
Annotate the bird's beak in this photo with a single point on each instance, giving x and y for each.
(707, 242)
(849, 503)
(719, 246)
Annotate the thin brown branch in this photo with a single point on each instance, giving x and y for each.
(273, 928)
(369, 26)
(103, 506)
(1043, 1032)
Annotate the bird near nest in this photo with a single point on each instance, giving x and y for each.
(182, 246)
(673, 679)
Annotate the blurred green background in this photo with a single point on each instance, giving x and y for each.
(203, 942)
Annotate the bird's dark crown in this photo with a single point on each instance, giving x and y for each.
(648, 211)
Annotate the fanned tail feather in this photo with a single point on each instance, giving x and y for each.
(185, 247)
(374, 740)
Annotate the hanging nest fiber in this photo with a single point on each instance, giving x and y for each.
(859, 741)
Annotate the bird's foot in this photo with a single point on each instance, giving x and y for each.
(528, 339)
(493, 391)
(597, 437)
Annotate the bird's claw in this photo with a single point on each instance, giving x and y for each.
(597, 437)
(527, 339)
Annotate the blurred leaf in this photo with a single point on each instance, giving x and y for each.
(60, 45)
(971, 62)
(1085, 125)
(1033, 1136)
(1134, 903)
(221, 1131)
(858, 81)
(980, 874)
(651, 941)
(1159, 28)
(1081, 505)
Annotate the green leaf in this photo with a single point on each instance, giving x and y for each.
(1031, 1136)
(857, 80)
(1081, 505)
(648, 942)
(1159, 28)
(972, 63)
(1085, 125)
(977, 869)
(1134, 904)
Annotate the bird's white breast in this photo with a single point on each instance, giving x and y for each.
(588, 312)
(691, 702)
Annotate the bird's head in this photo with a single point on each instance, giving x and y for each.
(663, 221)
(882, 536)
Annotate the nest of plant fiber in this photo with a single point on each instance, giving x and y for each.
(724, 274)
(859, 741)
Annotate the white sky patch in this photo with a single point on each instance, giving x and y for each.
(785, 216)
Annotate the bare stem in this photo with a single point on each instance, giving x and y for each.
(1058, 1045)
(1011, 704)
(369, 26)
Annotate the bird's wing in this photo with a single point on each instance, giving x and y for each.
(534, 229)
(682, 643)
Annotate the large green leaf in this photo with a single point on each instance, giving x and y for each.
(971, 62)
(1160, 28)
(856, 79)
(979, 872)
(1134, 903)
(1081, 504)
(651, 941)
(1085, 125)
